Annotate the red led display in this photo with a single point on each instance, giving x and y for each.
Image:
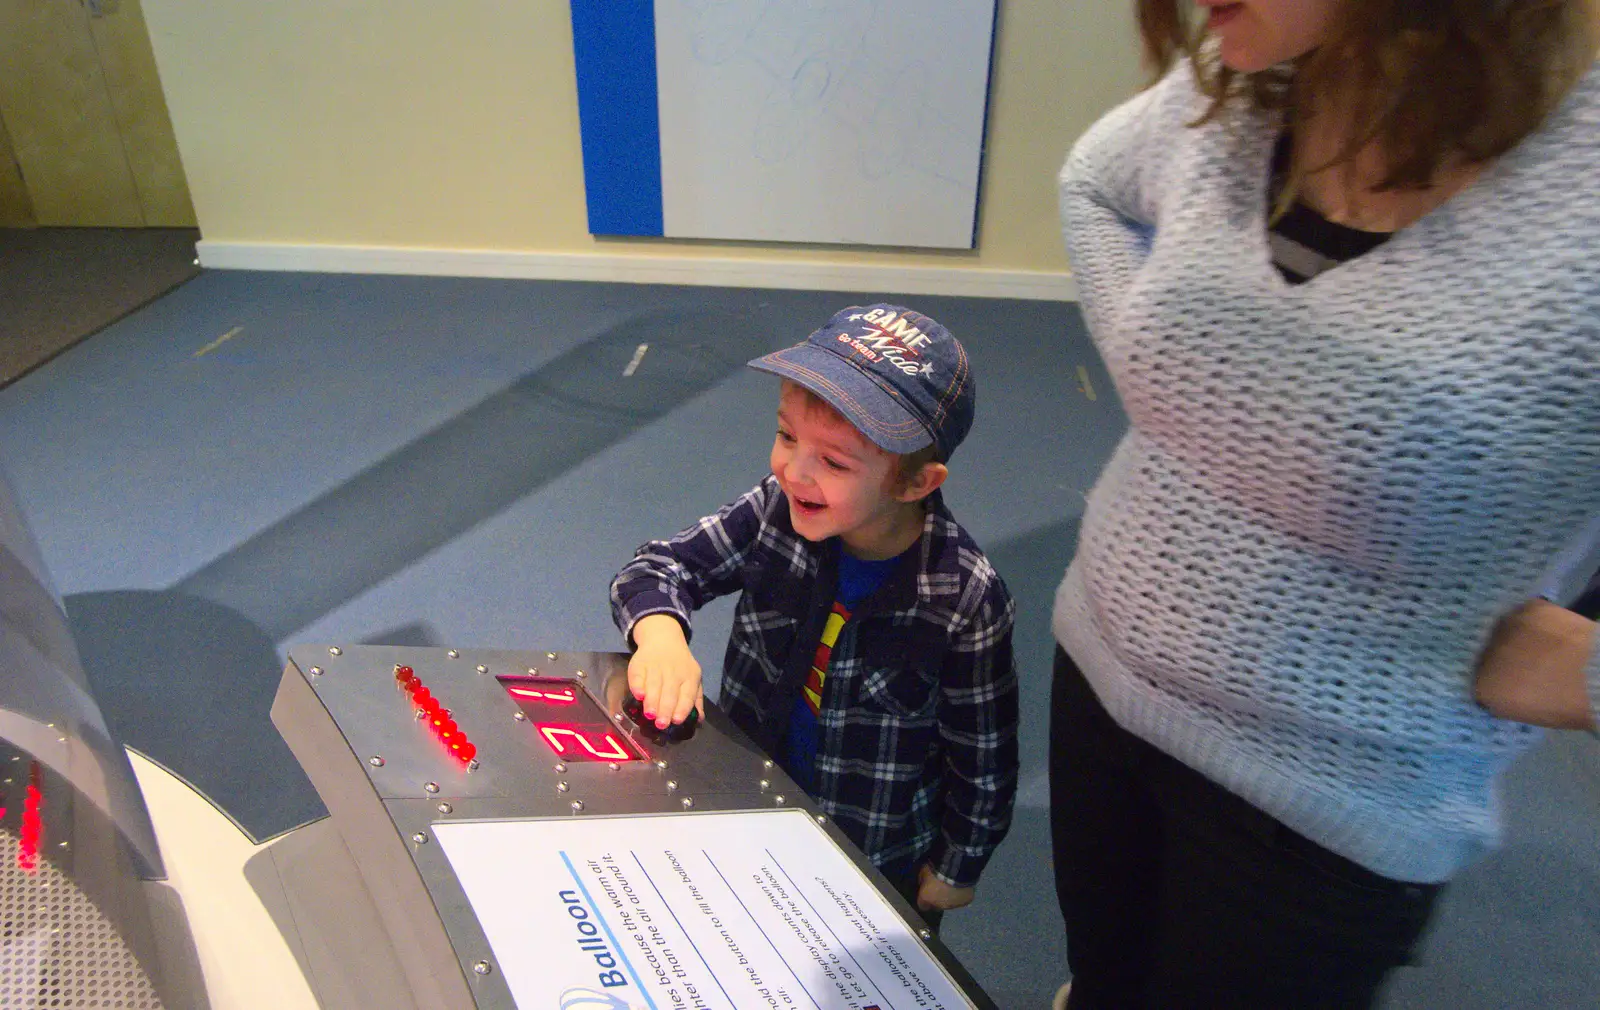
(581, 743)
(568, 720)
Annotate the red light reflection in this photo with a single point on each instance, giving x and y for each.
(32, 822)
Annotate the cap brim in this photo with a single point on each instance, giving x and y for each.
(868, 406)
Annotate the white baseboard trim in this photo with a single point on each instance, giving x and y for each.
(704, 271)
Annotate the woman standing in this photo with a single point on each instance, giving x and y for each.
(1343, 263)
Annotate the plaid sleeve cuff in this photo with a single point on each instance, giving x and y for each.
(643, 606)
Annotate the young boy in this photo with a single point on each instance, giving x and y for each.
(871, 649)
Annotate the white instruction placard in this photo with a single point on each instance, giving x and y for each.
(756, 910)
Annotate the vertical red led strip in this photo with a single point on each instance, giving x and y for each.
(437, 716)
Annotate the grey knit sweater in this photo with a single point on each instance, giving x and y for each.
(1330, 492)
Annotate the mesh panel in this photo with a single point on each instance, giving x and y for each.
(56, 949)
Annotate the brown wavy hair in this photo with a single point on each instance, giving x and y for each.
(1431, 81)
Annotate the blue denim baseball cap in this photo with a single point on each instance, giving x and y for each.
(897, 375)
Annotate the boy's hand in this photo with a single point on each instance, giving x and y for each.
(933, 893)
(663, 673)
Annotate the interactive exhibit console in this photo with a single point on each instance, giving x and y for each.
(528, 840)
(506, 832)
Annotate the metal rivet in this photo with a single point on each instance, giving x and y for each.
(420, 838)
(822, 819)
(532, 672)
(453, 654)
(672, 785)
(613, 766)
(482, 968)
(688, 801)
(778, 799)
(617, 717)
(61, 739)
(375, 761)
(335, 651)
(766, 764)
(473, 765)
(62, 845)
(482, 668)
(926, 934)
(582, 675)
(662, 765)
(562, 787)
(549, 655)
(316, 671)
(765, 785)
(421, 715)
(431, 787)
(577, 804)
(561, 767)
(445, 808)
(51, 725)
(519, 715)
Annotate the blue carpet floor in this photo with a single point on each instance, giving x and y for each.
(258, 460)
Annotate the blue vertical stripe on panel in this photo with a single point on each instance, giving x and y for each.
(614, 42)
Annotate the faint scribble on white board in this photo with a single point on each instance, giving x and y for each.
(873, 91)
(886, 96)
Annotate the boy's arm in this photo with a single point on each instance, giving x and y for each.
(978, 722)
(667, 580)
(683, 574)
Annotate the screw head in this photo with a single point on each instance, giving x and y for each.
(420, 838)
(520, 715)
(661, 764)
(421, 715)
(672, 785)
(766, 764)
(778, 799)
(533, 671)
(335, 651)
(561, 767)
(453, 654)
(765, 785)
(432, 787)
(562, 787)
(688, 802)
(577, 805)
(473, 765)
(482, 668)
(926, 934)
(482, 968)
(62, 845)
(316, 671)
(549, 655)
(822, 819)
(613, 766)
(375, 761)
(582, 675)
(445, 808)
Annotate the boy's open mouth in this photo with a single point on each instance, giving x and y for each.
(807, 507)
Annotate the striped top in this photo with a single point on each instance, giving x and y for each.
(1303, 242)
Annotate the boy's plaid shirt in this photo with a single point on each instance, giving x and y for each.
(917, 749)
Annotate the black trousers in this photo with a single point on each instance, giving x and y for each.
(1177, 893)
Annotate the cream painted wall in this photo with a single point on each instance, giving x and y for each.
(455, 126)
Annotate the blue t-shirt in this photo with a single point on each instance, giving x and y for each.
(858, 580)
